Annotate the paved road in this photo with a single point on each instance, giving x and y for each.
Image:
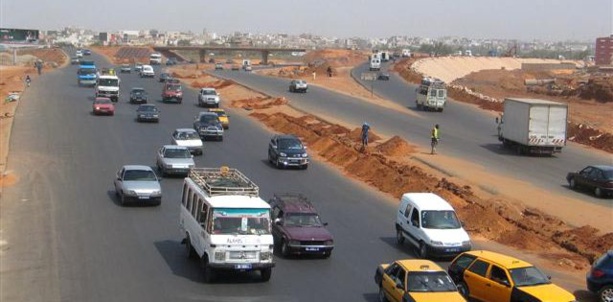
(67, 239)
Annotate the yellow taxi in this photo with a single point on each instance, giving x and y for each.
(489, 276)
(223, 117)
(415, 280)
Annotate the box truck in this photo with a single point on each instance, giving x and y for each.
(533, 126)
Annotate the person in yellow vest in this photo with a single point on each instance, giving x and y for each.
(435, 137)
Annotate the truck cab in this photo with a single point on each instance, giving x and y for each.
(225, 224)
(155, 59)
(107, 85)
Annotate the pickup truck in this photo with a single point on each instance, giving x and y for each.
(208, 125)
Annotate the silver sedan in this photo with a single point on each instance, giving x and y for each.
(173, 159)
(139, 184)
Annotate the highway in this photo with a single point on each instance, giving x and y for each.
(67, 238)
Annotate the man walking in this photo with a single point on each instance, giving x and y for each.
(365, 129)
(435, 136)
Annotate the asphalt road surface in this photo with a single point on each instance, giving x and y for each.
(67, 239)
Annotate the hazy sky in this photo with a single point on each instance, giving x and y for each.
(513, 19)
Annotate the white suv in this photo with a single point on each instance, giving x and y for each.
(147, 71)
(430, 224)
(208, 97)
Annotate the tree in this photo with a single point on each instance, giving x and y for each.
(184, 42)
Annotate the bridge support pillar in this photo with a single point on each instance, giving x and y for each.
(265, 54)
(202, 55)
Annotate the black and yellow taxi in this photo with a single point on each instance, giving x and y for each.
(224, 118)
(415, 280)
(492, 277)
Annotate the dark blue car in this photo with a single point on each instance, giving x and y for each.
(600, 277)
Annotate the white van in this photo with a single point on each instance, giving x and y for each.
(155, 59)
(431, 225)
(224, 223)
(375, 63)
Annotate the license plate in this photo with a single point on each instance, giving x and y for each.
(143, 197)
(312, 249)
(243, 266)
(452, 250)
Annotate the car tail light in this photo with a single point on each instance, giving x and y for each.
(596, 273)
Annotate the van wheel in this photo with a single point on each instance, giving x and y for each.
(265, 273)
(463, 289)
(423, 250)
(285, 249)
(208, 272)
(191, 253)
(399, 237)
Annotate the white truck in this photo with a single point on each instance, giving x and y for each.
(375, 62)
(224, 223)
(533, 125)
(155, 59)
(431, 95)
(107, 85)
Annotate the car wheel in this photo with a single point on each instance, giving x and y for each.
(399, 237)
(122, 199)
(598, 192)
(606, 294)
(285, 252)
(423, 250)
(208, 272)
(463, 289)
(191, 253)
(382, 297)
(572, 184)
(265, 273)
(305, 166)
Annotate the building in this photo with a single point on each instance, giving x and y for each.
(604, 51)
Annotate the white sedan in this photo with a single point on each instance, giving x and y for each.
(189, 138)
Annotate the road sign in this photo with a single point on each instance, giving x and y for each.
(368, 76)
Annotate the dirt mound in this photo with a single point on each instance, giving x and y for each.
(258, 103)
(599, 89)
(587, 135)
(585, 241)
(395, 146)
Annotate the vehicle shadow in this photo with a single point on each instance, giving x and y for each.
(404, 248)
(499, 148)
(268, 164)
(371, 297)
(585, 296)
(115, 199)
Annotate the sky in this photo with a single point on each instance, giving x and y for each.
(549, 20)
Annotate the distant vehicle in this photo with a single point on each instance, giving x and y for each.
(138, 67)
(533, 126)
(171, 61)
(189, 138)
(600, 278)
(207, 125)
(406, 53)
(219, 66)
(107, 85)
(176, 160)
(287, 151)
(493, 277)
(383, 76)
(138, 96)
(208, 97)
(147, 71)
(147, 113)
(79, 53)
(596, 178)
(125, 68)
(235, 67)
(164, 76)
(415, 280)
(155, 59)
(138, 183)
(385, 56)
(375, 63)
(172, 92)
(431, 95)
(229, 61)
(103, 106)
(298, 86)
(223, 117)
(297, 228)
(87, 52)
(74, 61)
(247, 68)
(87, 75)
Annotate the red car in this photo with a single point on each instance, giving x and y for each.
(103, 106)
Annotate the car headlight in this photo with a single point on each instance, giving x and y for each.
(294, 242)
(329, 242)
(97, 108)
(467, 242)
(305, 155)
(264, 256)
(282, 154)
(131, 192)
(157, 192)
(439, 243)
(220, 256)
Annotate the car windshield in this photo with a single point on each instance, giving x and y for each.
(528, 276)
(209, 118)
(440, 220)
(102, 101)
(188, 135)
(241, 221)
(164, 75)
(608, 174)
(429, 282)
(84, 71)
(209, 92)
(145, 175)
(147, 109)
(290, 144)
(302, 220)
(108, 82)
(138, 91)
(177, 153)
(220, 113)
(125, 66)
(173, 87)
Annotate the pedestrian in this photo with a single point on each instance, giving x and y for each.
(39, 66)
(329, 70)
(28, 80)
(365, 129)
(314, 75)
(435, 138)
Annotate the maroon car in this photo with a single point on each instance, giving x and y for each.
(172, 91)
(297, 228)
(596, 178)
(103, 106)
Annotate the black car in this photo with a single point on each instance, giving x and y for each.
(208, 126)
(147, 113)
(287, 151)
(87, 52)
(164, 77)
(600, 278)
(125, 68)
(596, 178)
(138, 96)
(383, 76)
(171, 61)
(75, 61)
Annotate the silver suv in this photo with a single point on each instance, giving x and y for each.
(173, 159)
(138, 183)
(208, 97)
(298, 86)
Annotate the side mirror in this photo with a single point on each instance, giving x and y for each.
(399, 285)
(118, 178)
(415, 223)
(548, 277)
(278, 221)
(325, 224)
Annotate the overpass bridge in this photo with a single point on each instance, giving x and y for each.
(203, 50)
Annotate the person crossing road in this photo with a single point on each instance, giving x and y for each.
(435, 137)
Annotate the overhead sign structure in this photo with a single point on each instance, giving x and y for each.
(14, 35)
(372, 77)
